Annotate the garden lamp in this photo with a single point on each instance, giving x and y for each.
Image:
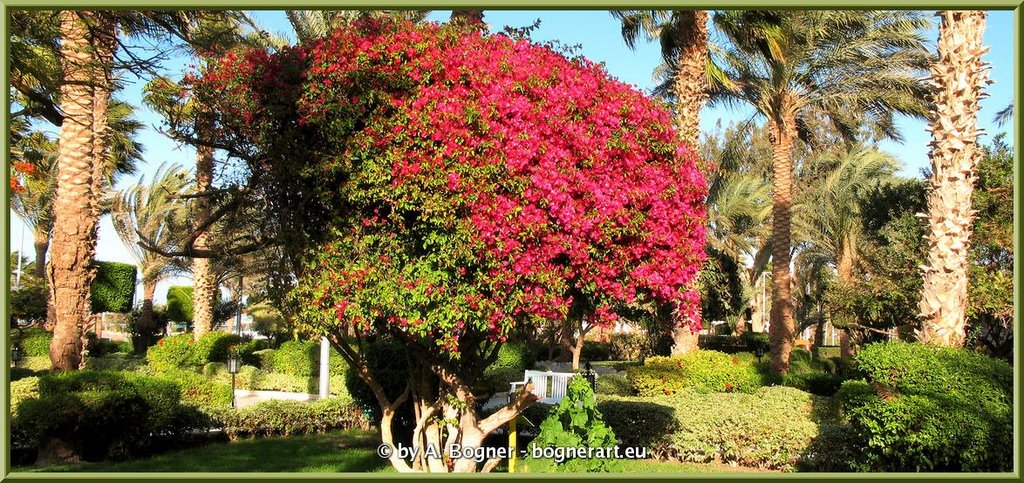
(16, 354)
(759, 352)
(588, 373)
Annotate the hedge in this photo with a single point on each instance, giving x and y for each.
(183, 352)
(36, 342)
(771, 428)
(925, 408)
(702, 371)
(179, 303)
(113, 288)
(286, 418)
(101, 414)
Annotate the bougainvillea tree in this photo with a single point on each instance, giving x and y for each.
(447, 190)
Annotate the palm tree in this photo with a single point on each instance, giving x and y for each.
(958, 76)
(684, 45)
(34, 202)
(851, 68)
(74, 225)
(827, 220)
(154, 212)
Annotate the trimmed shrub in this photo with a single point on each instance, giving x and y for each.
(629, 347)
(771, 428)
(179, 303)
(100, 415)
(214, 347)
(296, 358)
(22, 389)
(36, 343)
(614, 385)
(701, 371)
(925, 408)
(172, 352)
(115, 362)
(198, 390)
(286, 418)
(247, 351)
(100, 347)
(19, 373)
(36, 363)
(113, 287)
(640, 423)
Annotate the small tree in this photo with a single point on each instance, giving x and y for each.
(473, 187)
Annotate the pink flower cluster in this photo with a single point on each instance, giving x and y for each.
(562, 182)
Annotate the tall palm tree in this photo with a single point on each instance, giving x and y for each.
(34, 204)
(154, 212)
(683, 35)
(958, 76)
(851, 68)
(88, 47)
(827, 222)
(74, 224)
(684, 44)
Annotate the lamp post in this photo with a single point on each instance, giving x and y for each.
(233, 367)
(590, 376)
(16, 354)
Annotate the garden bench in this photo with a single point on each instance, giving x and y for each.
(549, 387)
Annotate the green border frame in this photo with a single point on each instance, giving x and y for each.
(1015, 5)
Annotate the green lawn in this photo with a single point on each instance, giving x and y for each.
(340, 451)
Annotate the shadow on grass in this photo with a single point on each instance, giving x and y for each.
(341, 451)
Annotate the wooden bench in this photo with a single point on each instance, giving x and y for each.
(549, 387)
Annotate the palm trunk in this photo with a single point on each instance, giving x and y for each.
(958, 77)
(42, 243)
(146, 320)
(845, 269)
(690, 83)
(781, 331)
(204, 281)
(74, 226)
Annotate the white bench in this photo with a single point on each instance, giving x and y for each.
(549, 387)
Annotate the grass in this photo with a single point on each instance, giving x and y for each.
(340, 451)
(351, 451)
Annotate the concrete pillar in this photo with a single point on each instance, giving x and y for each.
(325, 367)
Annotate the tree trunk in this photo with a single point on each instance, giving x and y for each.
(781, 331)
(577, 350)
(958, 76)
(684, 340)
(146, 321)
(42, 242)
(690, 82)
(845, 269)
(74, 226)
(204, 281)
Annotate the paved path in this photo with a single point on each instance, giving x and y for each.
(245, 398)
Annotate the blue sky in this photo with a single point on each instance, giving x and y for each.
(598, 34)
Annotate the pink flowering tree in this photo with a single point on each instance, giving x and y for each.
(447, 190)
